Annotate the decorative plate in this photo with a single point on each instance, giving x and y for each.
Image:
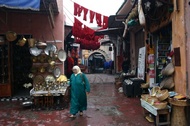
(57, 72)
(38, 80)
(62, 55)
(50, 78)
(11, 36)
(35, 51)
(50, 47)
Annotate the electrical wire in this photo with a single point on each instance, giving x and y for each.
(51, 28)
(80, 5)
(72, 15)
(68, 11)
(85, 7)
(68, 15)
(69, 18)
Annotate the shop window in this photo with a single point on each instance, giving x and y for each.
(162, 41)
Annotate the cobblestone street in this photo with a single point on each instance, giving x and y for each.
(106, 107)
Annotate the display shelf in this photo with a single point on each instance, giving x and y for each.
(163, 48)
(57, 63)
(149, 109)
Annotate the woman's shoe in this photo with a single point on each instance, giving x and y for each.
(72, 116)
(81, 113)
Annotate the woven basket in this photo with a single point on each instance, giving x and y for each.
(145, 85)
(148, 98)
(178, 102)
(168, 70)
(154, 90)
(162, 95)
(145, 97)
(152, 100)
(167, 83)
(160, 105)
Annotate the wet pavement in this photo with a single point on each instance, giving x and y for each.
(101, 78)
(106, 107)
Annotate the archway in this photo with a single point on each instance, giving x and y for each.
(107, 58)
(96, 62)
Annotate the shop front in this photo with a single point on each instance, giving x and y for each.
(163, 24)
(166, 62)
(31, 46)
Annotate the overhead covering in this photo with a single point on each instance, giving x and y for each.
(21, 4)
(126, 7)
(109, 31)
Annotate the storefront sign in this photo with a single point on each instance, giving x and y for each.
(141, 63)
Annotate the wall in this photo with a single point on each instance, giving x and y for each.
(187, 28)
(178, 40)
(36, 25)
(136, 42)
(132, 51)
(109, 54)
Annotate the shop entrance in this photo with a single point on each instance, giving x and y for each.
(21, 65)
(163, 46)
(96, 63)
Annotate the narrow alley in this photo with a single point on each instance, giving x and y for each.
(106, 107)
(134, 53)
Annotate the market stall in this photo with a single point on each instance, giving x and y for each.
(49, 93)
(49, 84)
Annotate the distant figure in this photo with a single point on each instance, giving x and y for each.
(106, 65)
(80, 87)
(126, 65)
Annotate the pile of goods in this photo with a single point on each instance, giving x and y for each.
(168, 81)
(157, 97)
(46, 70)
(50, 83)
(145, 85)
(178, 99)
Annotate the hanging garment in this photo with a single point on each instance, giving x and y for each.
(105, 22)
(70, 64)
(99, 19)
(92, 14)
(85, 11)
(77, 28)
(80, 11)
(77, 9)
(88, 33)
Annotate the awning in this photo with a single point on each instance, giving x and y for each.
(126, 7)
(109, 31)
(21, 4)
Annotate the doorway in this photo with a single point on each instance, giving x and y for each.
(96, 63)
(21, 65)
